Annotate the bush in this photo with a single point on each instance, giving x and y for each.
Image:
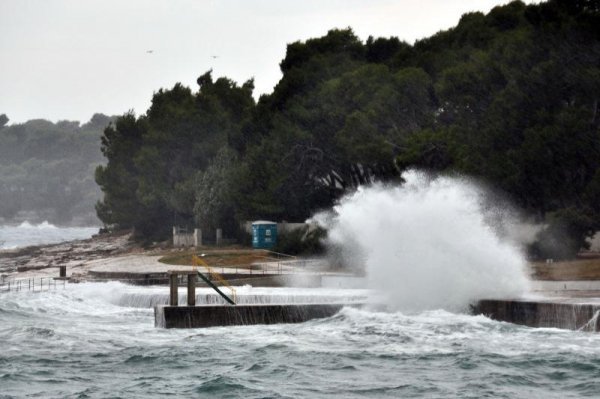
(564, 236)
(304, 241)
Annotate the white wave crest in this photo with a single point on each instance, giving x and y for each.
(42, 226)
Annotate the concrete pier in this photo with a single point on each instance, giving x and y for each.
(174, 286)
(224, 315)
(191, 316)
(568, 313)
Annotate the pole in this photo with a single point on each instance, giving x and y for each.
(191, 290)
(174, 295)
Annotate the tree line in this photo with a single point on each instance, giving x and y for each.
(47, 170)
(510, 97)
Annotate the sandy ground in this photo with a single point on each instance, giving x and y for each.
(116, 253)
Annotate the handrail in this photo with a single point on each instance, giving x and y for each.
(213, 286)
(30, 284)
(197, 261)
(281, 254)
(46, 282)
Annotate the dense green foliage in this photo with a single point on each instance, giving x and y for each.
(510, 97)
(46, 170)
(304, 241)
(154, 161)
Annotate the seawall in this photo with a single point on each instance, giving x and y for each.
(223, 315)
(567, 313)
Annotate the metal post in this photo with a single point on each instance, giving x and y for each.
(191, 290)
(174, 297)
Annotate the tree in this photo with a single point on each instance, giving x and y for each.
(117, 179)
(46, 170)
(214, 205)
(178, 137)
(510, 97)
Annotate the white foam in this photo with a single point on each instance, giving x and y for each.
(427, 244)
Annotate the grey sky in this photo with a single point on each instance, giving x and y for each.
(67, 59)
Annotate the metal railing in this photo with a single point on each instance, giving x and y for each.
(271, 266)
(33, 284)
(198, 261)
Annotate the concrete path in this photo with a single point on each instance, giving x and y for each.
(137, 264)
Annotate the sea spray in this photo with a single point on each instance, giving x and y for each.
(427, 244)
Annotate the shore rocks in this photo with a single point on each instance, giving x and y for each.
(72, 253)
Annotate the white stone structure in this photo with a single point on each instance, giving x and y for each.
(181, 237)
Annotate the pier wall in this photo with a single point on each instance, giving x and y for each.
(222, 315)
(553, 314)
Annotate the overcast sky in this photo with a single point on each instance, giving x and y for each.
(67, 59)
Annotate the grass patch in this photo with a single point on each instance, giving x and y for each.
(238, 258)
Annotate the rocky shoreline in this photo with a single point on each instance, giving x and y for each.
(44, 259)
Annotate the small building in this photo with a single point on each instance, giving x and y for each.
(264, 234)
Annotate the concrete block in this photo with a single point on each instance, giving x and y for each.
(224, 315)
(545, 313)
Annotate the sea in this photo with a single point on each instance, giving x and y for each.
(98, 340)
(26, 234)
(88, 341)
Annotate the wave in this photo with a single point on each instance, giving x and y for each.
(42, 226)
(27, 233)
(428, 244)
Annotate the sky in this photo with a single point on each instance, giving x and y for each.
(69, 59)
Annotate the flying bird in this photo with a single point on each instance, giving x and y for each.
(214, 56)
(149, 51)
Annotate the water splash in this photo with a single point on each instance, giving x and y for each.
(592, 324)
(428, 244)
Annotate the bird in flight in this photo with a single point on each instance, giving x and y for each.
(214, 56)
(149, 51)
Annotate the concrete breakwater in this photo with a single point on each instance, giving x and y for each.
(568, 313)
(222, 315)
(192, 316)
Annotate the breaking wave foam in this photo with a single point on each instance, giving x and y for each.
(427, 244)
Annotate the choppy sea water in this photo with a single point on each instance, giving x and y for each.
(80, 343)
(26, 234)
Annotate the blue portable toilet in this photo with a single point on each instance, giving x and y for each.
(264, 234)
